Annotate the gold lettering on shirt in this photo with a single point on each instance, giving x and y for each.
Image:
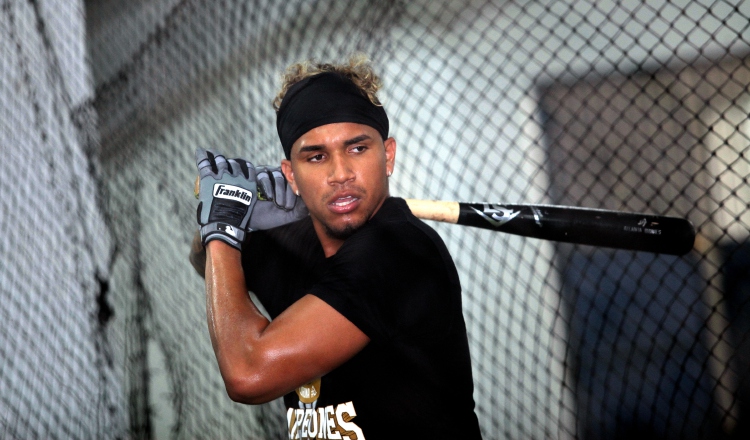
(309, 392)
(345, 413)
(330, 422)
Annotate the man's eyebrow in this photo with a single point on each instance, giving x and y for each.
(352, 141)
(356, 140)
(307, 148)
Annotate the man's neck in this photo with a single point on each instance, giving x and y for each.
(332, 244)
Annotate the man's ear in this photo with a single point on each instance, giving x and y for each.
(286, 168)
(390, 154)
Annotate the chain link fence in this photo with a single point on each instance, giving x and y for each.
(626, 105)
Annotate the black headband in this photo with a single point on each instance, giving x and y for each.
(323, 99)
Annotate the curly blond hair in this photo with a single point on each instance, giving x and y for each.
(357, 68)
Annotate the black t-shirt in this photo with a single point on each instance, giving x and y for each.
(395, 280)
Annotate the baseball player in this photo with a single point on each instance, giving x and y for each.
(367, 337)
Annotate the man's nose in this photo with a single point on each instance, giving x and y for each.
(341, 169)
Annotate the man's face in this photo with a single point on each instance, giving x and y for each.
(341, 172)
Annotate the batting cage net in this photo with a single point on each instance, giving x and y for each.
(624, 105)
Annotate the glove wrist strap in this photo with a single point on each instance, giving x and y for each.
(225, 232)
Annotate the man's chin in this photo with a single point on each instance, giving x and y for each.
(342, 232)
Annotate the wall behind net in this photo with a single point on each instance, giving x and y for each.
(58, 378)
(620, 105)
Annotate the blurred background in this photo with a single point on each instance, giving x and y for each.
(626, 105)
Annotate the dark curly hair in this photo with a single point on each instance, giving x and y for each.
(357, 68)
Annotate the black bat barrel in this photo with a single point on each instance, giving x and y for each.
(595, 227)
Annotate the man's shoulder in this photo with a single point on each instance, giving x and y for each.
(399, 222)
(395, 216)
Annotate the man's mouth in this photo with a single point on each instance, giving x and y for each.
(344, 201)
(344, 204)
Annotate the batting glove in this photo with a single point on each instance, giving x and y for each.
(278, 205)
(227, 197)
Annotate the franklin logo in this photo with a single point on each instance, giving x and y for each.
(497, 215)
(231, 192)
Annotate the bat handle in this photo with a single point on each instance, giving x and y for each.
(440, 211)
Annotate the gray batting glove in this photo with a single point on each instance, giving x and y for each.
(227, 197)
(279, 205)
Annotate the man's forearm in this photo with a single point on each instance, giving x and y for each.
(234, 323)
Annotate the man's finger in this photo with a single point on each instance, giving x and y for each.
(291, 199)
(265, 186)
(220, 161)
(204, 159)
(280, 187)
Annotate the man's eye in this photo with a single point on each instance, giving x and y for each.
(315, 158)
(358, 148)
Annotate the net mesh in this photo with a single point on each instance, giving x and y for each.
(57, 377)
(624, 105)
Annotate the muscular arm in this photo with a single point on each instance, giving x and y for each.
(261, 360)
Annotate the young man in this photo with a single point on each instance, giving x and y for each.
(368, 338)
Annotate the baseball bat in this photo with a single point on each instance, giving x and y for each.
(595, 227)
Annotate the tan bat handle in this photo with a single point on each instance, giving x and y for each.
(434, 210)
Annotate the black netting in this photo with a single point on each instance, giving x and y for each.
(624, 105)
(58, 376)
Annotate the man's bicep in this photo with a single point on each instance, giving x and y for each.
(309, 339)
